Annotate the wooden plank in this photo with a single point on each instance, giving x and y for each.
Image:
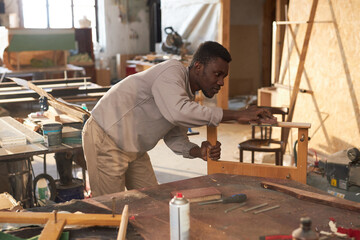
(313, 197)
(269, 6)
(293, 125)
(52, 229)
(277, 42)
(259, 170)
(224, 39)
(287, 125)
(66, 108)
(273, 53)
(123, 223)
(71, 219)
(300, 69)
(302, 152)
(299, 22)
(52, 114)
(91, 219)
(199, 194)
(211, 133)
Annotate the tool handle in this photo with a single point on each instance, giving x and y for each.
(237, 198)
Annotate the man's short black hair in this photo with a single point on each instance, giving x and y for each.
(208, 51)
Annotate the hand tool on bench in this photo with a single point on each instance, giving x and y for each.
(267, 209)
(235, 207)
(255, 207)
(236, 198)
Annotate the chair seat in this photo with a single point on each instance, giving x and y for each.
(261, 145)
(265, 143)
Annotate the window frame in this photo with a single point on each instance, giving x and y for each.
(72, 16)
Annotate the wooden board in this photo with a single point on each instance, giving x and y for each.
(224, 39)
(20, 150)
(313, 197)
(199, 194)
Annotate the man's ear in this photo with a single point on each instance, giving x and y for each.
(198, 66)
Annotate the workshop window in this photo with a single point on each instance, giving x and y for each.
(59, 14)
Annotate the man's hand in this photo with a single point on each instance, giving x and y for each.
(252, 114)
(259, 115)
(213, 151)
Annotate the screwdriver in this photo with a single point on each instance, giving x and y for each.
(236, 198)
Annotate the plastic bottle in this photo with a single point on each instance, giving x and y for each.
(42, 190)
(304, 232)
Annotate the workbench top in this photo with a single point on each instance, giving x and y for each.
(149, 209)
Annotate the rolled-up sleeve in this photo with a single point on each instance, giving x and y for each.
(178, 141)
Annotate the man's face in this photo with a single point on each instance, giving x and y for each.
(211, 76)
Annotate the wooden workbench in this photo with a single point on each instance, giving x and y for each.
(27, 151)
(149, 215)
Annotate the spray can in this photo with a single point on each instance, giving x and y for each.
(179, 218)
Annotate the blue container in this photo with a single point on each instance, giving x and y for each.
(75, 190)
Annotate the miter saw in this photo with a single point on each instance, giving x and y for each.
(173, 41)
(174, 44)
(339, 174)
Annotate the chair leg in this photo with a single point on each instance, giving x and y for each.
(281, 158)
(241, 155)
(252, 156)
(277, 158)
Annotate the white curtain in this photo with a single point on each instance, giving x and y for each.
(195, 20)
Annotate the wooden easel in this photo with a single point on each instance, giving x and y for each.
(300, 69)
(55, 222)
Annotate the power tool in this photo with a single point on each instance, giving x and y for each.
(339, 174)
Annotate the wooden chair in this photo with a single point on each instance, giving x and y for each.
(265, 143)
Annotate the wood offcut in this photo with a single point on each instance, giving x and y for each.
(55, 222)
(313, 197)
(71, 110)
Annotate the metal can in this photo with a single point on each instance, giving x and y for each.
(179, 218)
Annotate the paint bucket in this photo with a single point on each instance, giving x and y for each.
(52, 133)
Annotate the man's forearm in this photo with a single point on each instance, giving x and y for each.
(195, 152)
(231, 115)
